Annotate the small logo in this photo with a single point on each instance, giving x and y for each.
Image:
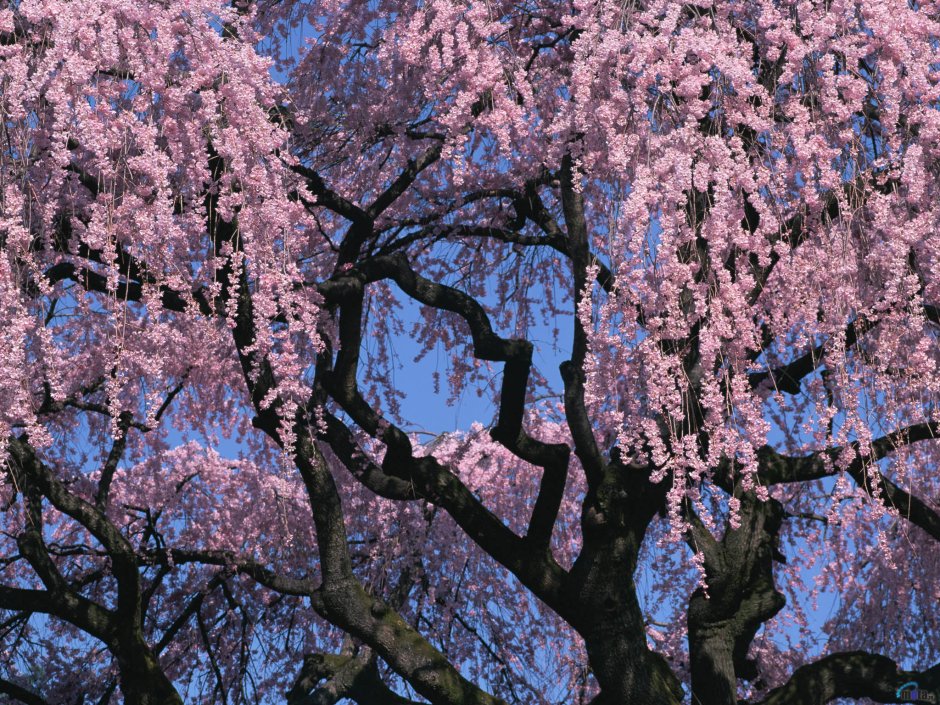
(910, 691)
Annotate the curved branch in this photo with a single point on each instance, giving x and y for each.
(355, 677)
(855, 674)
(27, 697)
(404, 180)
(776, 468)
(572, 371)
(431, 479)
(341, 598)
(121, 629)
(126, 289)
(341, 441)
(328, 198)
(787, 378)
(124, 564)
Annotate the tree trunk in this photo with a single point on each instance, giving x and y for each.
(143, 682)
(609, 618)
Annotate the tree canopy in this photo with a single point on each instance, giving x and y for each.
(687, 255)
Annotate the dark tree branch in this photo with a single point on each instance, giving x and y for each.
(341, 598)
(431, 479)
(125, 290)
(330, 199)
(192, 607)
(27, 697)
(487, 345)
(339, 671)
(572, 371)
(142, 679)
(213, 662)
(118, 447)
(534, 208)
(325, 679)
(124, 564)
(286, 585)
(341, 441)
(776, 468)
(404, 180)
(854, 674)
(787, 378)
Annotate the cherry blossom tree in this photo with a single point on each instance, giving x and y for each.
(220, 224)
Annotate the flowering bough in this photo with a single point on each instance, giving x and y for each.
(723, 215)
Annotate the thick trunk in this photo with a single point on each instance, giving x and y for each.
(711, 653)
(609, 618)
(605, 609)
(742, 596)
(143, 681)
(628, 672)
(718, 643)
